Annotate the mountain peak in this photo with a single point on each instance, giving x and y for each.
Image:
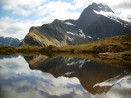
(99, 7)
(89, 14)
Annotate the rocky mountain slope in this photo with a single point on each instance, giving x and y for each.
(95, 22)
(9, 41)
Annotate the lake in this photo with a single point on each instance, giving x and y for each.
(61, 77)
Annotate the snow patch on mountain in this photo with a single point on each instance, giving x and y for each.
(82, 63)
(69, 73)
(68, 23)
(90, 37)
(112, 81)
(112, 16)
(70, 58)
(79, 63)
(82, 34)
(71, 33)
(71, 39)
(72, 63)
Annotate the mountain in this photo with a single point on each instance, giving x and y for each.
(95, 22)
(57, 33)
(96, 78)
(9, 41)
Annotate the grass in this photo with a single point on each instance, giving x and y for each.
(29, 49)
(19, 50)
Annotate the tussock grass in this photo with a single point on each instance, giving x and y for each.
(28, 49)
(19, 50)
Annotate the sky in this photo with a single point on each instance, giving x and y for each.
(17, 16)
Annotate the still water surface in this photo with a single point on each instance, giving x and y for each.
(61, 77)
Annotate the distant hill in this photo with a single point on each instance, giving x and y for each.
(97, 21)
(9, 41)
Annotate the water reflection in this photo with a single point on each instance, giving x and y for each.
(63, 77)
(89, 73)
(8, 56)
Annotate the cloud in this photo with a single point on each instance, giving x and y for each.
(81, 3)
(11, 5)
(15, 28)
(60, 10)
(23, 12)
(21, 7)
(12, 27)
(123, 5)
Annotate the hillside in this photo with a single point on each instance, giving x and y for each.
(111, 44)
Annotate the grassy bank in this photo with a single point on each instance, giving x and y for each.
(19, 50)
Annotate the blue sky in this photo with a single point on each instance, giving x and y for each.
(17, 16)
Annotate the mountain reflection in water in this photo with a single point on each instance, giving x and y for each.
(71, 75)
(88, 72)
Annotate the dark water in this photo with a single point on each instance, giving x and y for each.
(60, 77)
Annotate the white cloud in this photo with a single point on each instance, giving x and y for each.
(13, 4)
(23, 12)
(59, 10)
(15, 28)
(22, 7)
(81, 3)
